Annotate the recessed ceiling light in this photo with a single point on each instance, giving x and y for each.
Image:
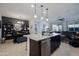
(44, 12)
(32, 6)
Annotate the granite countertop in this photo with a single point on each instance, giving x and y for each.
(38, 37)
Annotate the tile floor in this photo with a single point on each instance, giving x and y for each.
(11, 49)
(66, 50)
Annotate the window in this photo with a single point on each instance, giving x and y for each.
(74, 26)
(56, 27)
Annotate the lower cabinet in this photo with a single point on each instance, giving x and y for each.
(35, 48)
(55, 43)
(44, 47)
(52, 45)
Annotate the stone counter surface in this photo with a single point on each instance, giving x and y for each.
(38, 37)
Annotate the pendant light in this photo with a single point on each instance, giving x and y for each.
(35, 15)
(46, 14)
(42, 12)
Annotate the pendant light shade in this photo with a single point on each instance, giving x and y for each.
(35, 15)
(42, 12)
(47, 14)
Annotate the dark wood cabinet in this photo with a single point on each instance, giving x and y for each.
(35, 47)
(44, 47)
(55, 43)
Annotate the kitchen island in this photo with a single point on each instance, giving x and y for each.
(40, 45)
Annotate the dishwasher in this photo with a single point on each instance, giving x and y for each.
(45, 47)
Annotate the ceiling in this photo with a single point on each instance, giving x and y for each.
(55, 10)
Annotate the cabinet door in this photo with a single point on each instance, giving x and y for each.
(34, 48)
(45, 47)
(52, 45)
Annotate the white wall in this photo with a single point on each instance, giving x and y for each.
(39, 23)
(31, 26)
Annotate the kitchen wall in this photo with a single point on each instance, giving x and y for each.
(31, 26)
(42, 25)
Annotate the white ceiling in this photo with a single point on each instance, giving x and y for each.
(56, 10)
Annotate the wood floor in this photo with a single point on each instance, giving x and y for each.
(11, 49)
